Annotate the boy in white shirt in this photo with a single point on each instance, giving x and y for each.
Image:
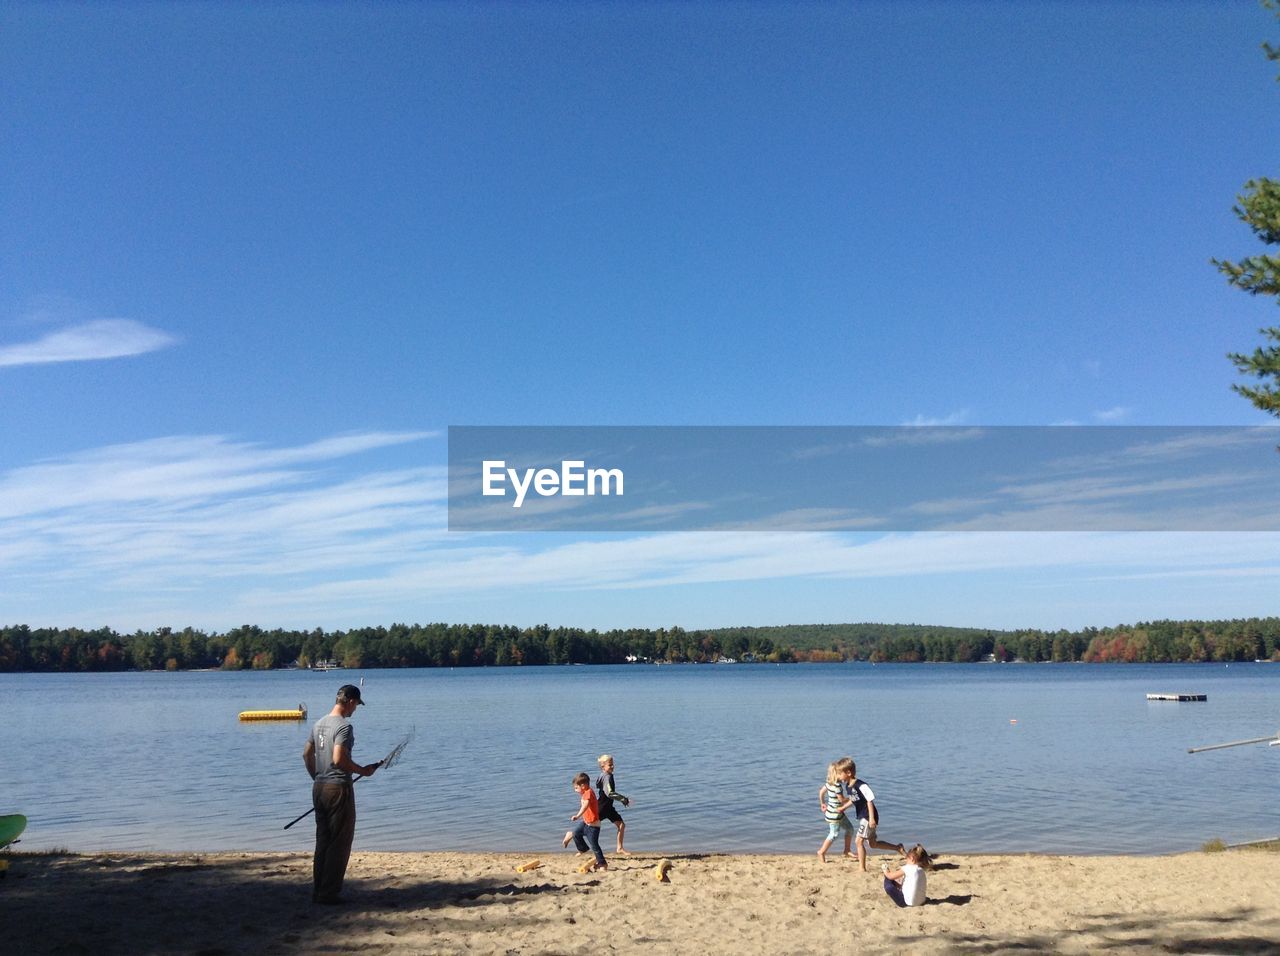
(864, 803)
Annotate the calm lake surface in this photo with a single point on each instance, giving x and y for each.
(716, 758)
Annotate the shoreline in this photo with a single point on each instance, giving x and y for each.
(852, 661)
(548, 851)
(443, 902)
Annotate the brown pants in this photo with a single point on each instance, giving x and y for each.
(335, 805)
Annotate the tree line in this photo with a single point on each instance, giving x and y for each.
(401, 645)
(23, 648)
(1243, 639)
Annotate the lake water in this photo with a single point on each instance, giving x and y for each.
(716, 758)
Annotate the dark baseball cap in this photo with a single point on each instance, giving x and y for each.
(349, 692)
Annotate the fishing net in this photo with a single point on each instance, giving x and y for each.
(385, 763)
(390, 760)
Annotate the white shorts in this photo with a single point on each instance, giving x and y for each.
(866, 831)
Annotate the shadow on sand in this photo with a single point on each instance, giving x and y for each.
(211, 906)
(1122, 933)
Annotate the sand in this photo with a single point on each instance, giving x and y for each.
(401, 903)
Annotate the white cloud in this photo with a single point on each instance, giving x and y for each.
(702, 558)
(172, 469)
(98, 339)
(919, 432)
(924, 433)
(1111, 415)
(955, 418)
(175, 512)
(207, 531)
(809, 519)
(1090, 488)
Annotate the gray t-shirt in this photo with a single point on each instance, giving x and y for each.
(330, 730)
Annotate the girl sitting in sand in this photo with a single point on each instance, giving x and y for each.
(906, 886)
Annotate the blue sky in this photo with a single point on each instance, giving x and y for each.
(254, 260)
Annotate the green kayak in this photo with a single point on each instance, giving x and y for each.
(11, 828)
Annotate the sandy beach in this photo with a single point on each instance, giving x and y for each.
(231, 903)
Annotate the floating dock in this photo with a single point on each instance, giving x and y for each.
(299, 714)
(1177, 697)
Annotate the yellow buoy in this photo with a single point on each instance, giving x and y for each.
(299, 714)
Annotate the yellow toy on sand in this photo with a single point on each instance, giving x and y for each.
(530, 865)
(661, 870)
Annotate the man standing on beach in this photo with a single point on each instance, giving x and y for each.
(327, 756)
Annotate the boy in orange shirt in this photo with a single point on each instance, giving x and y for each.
(586, 835)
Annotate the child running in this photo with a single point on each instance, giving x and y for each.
(607, 796)
(834, 800)
(586, 835)
(906, 886)
(865, 803)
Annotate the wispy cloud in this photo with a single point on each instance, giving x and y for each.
(1184, 481)
(174, 469)
(922, 434)
(955, 418)
(88, 341)
(176, 512)
(1149, 447)
(914, 434)
(809, 519)
(215, 532)
(702, 558)
(1089, 488)
(1109, 416)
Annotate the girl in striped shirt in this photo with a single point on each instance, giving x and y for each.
(834, 798)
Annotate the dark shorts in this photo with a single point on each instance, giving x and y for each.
(611, 814)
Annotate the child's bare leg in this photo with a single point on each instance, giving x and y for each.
(862, 854)
(848, 843)
(622, 828)
(568, 838)
(822, 850)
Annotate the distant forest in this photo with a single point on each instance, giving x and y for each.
(479, 645)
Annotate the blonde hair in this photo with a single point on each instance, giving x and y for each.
(833, 771)
(921, 855)
(604, 759)
(843, 764)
